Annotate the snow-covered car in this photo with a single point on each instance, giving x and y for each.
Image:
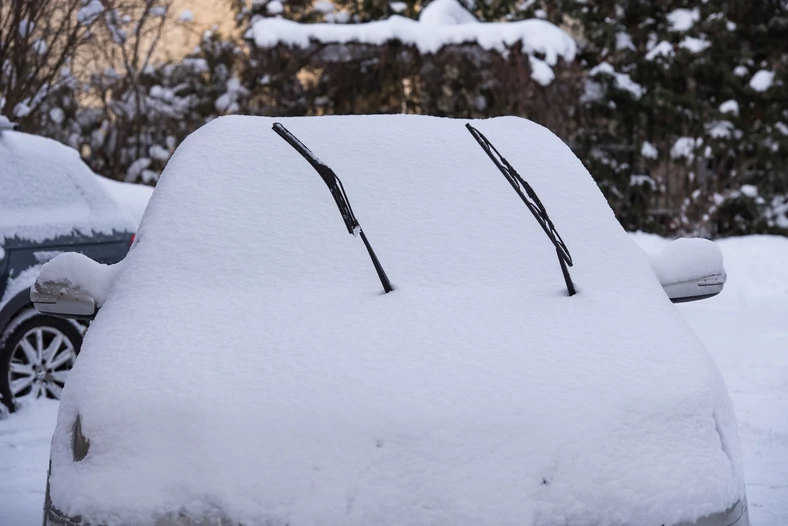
(50, 202)
(456, 361)
(131, 197)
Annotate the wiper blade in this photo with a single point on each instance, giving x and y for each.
(532, 201)
(340, 197)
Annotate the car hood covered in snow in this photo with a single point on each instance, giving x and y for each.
(246, 363)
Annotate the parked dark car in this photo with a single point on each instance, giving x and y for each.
(50, 202)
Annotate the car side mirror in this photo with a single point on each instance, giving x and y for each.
(690, 269)
(63, 299)
(695, 289)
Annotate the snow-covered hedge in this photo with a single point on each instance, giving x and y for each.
(441, 23)
(445, 63)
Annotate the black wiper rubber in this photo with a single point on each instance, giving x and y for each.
(531, 200)
(340, 197)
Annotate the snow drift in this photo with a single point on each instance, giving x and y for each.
(245, 363)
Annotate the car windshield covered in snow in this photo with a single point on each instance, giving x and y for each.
(246, 363)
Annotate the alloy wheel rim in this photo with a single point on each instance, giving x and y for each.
(40, 363)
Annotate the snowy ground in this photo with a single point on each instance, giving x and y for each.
(24, 454)
(745, 328)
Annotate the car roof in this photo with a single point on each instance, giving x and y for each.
(47, 191)
(247, 360)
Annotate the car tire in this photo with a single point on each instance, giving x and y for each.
(36, 354)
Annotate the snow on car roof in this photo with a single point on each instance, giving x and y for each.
(132, 198)
(47, 191)
(246, 362)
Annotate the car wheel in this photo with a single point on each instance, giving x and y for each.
(36, 355)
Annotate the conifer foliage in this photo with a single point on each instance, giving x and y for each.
(685, 111)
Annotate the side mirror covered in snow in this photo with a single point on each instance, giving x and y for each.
(690, 269)
(72, 286)
(63, 299)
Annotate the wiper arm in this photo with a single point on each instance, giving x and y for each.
(340, 197)
(531, 200)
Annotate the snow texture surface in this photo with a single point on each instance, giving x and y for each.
(622, 80)
(663, 49)
(720, 129)
(18, 283)
(744, 329)
(762, 80)
(624, 41)
(686, 259)
(694, 45)
(649, 151)
(442, 24)
(684, 147)
(640, 179)
(446, 13)
(132, 198)
(730, 106)
(541, 72)
(249, 366)
(683, 19)
(24, 459)
(47, 191)
(80, 271)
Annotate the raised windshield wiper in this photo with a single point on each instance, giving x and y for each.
(340, 197)
(533, 203)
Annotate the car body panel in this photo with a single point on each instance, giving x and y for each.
(737, 515)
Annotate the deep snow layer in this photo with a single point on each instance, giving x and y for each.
(247, 346)
(78, 270)
(686, 259)
(744, 328)
(47, 191)
(535, 36)
(132, 198)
